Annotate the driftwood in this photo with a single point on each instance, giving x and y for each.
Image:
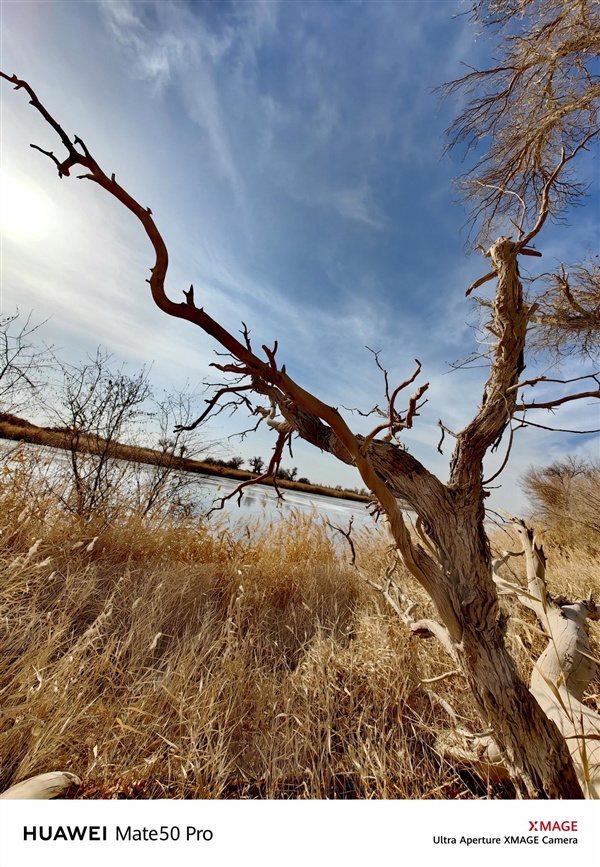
(567, 666)
(41, 788)
(559, 679)
(560, 675)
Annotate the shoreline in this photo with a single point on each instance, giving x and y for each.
(18, 429)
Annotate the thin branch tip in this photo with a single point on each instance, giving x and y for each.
(189, 297)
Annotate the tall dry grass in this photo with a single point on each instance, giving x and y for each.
(165, 657)
(182, 659)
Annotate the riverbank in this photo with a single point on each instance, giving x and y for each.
(18, 429)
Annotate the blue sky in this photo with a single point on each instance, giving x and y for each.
(291, 155)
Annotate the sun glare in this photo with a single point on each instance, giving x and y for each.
(26, 214)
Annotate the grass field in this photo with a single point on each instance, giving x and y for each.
(162, 657)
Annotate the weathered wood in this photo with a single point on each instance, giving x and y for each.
(567, 666)
(42, 787)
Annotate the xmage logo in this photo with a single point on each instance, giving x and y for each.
(553, 826)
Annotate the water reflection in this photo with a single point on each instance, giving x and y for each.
(261, 501)
(258, 501)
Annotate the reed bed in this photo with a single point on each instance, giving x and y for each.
(162, 656)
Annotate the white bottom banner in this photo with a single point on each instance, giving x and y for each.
(282, 833)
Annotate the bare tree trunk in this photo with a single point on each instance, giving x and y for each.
(453, 563)
(535, 753)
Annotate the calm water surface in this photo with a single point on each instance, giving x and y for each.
(258, 501)
(261, 501)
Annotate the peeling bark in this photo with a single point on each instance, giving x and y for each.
(566, 667)
(453, 564)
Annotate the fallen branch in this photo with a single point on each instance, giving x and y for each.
(395, 596)
(567, 666)
(42, 787)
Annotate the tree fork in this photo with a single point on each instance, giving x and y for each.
(461, 584)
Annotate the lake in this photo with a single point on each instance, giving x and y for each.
(258, 501)
(261, 501)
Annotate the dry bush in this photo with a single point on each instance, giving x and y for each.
(566, 501)
(187, 659)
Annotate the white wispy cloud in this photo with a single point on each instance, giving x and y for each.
(290, 156)
(182, 52)
(153, 57)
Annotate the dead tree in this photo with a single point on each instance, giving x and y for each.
(567, 666)
(559, 676)
(23, 368)
(452, 560)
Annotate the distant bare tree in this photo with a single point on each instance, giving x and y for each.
(538, 110)
(566, 493)
(235, 463)
(96, 405)
(256, 464)
(165, 484)
(288, 475)
(23, 365)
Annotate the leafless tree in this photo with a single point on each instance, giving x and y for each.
(235, 462)
(167, 485)
(288, 475)
(538, 103)
(23, 365)
(101, 409)
(256, 464)
(566, 493)
(538, 120)
(97, 406)
(540, 98)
